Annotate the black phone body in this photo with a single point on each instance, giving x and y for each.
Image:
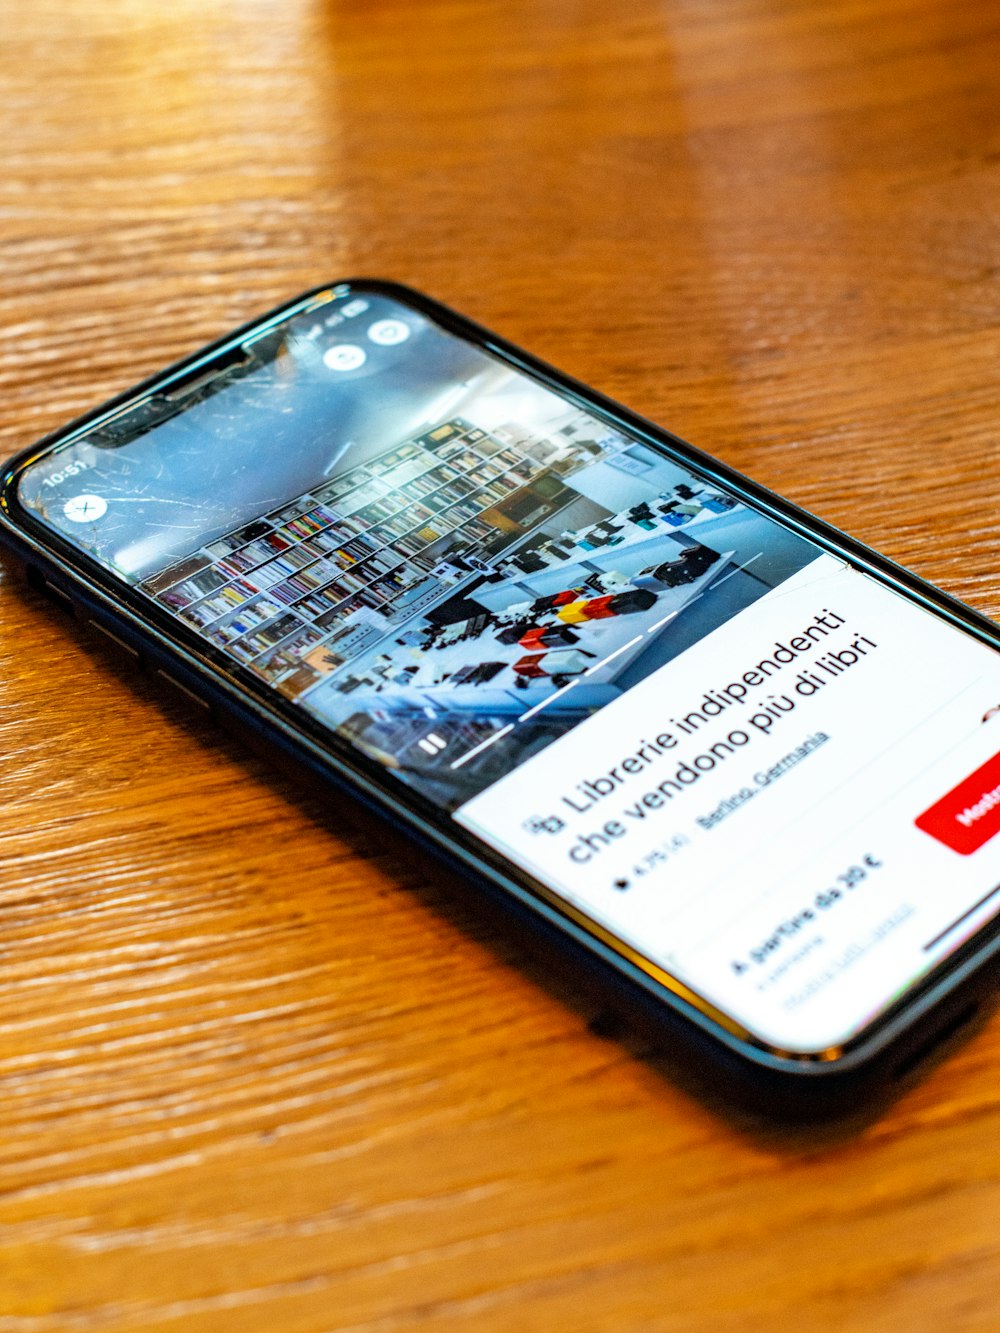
(740, 772)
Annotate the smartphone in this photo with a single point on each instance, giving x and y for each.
(733, 769)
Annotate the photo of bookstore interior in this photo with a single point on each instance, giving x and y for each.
(470, 586)
(424, 548)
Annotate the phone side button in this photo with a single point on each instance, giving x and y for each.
(61, 599)
(189, 695)
(124, 649)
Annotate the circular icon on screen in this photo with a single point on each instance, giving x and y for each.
(344, 356)
(389, 332)
(85, 508)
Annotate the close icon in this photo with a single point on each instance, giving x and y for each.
(85, 508)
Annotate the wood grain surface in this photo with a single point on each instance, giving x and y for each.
(235, 1096)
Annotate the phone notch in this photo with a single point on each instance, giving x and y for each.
(201, 376)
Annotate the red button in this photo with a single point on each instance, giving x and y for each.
(970, 814)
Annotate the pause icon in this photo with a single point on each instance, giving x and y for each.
(432, 743)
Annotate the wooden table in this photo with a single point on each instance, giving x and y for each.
(258, 1072)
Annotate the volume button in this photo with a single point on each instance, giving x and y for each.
(126, 648)
(40, 583)
(61, 599)
(189, 695)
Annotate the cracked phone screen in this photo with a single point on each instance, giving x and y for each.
(412, 539)
(690, 723)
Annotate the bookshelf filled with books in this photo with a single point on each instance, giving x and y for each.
(359, 551)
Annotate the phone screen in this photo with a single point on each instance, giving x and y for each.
(755, 768)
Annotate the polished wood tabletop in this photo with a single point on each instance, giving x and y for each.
(259, 1067)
